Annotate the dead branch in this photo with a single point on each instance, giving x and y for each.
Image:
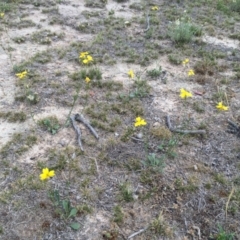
(77, 130)
(137, 233)
(169, 125)
(229, 198)
(198, 231)
(80, 118)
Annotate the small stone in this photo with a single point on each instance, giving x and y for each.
(116, 134)
(62, 142)
(195, 167)
(156, 124)
(139, 135)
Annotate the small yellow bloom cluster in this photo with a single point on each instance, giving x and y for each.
(186, 61)
(46, 174)
(87, 79)
(191, 73)
(139, 122)
(184, 94)
(2, 14)
(85, 58)
(21, 75)
(220, 106)
(131, 73)
(154, 8)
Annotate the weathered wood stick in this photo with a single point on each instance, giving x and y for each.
(80, 118)
(77, 130)
(182, 131)
(137, 233)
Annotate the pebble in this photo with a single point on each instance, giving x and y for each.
(139, 135)
(195, 167)
(156, 124)
(62, 142)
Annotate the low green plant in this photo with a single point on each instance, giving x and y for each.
(154, 162)
(235, 6)
(168, 146)
(50, 124)
(182, 32)
(118, 215)
(126, 192)
(154, 73)
(141, 89)
(223, 235)
(64, 208)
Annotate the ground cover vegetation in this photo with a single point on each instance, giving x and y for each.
(156, 152)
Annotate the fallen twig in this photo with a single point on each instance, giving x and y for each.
(77, 129)
(227, 203)
(169, 125)
(198, 231)
(137, 233)
(80, 118)
(148, 24)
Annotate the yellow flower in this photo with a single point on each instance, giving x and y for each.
(21, 75)
(191, 73)
(2, 14)
(46, 174)
(85, 61)
(184, 94)
(83, 54)
(86, 58)
(220, 106)
(154, 8)
(131, 73)
(139, 122)
(87, 79)
(185, 61)
(89, 58)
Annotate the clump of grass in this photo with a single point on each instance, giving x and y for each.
(206, 66)
(18, 145)
(183, 31)
(49, 124)
(223, 235)
(235, 6)
(154, 73)
(161, 132)
(14, 116)
(126, 192)
(92, 73)
(118, 215)
(175, 59)
(152, 161)
(160, 227)
(141, 89)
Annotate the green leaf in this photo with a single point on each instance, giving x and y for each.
(66, 206)
(75, 225)
(73, 212)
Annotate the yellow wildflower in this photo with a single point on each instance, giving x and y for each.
(87, 79)
(154, 8)
(186, 61)
(220, 106)
(2, 14)
(139, 122)
(131, 73)
(85, 61)
(89, 58)
(184, 94)
(46, 174)
(83, 54)
(21, 75)
(86, 58)
(191, 73)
